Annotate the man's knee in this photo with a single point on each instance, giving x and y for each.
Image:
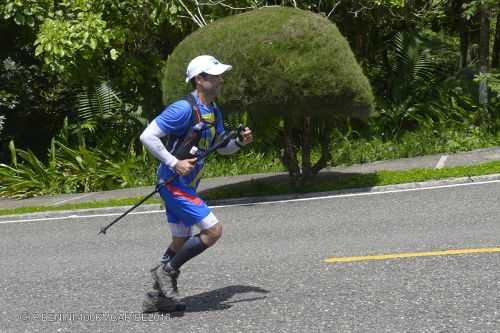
(211, 235)
(217, 231)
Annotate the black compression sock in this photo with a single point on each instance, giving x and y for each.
(169, 254)
(191, 248)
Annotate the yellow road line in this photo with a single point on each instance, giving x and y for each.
(333, 260)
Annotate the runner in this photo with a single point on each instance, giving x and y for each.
(181, 121)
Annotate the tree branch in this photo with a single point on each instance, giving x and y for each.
(194, 18)
(223, 4)
(326, 144)
(200, 15)
(333, 8)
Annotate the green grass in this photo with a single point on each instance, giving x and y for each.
(82, 205)
(275, 185)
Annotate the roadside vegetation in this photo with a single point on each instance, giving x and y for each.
(80, 81)
(276, 185)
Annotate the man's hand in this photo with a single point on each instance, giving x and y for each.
(184, 167)
(246, 136)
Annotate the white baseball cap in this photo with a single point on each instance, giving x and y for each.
(205, 64)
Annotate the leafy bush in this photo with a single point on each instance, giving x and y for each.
(245, 162)
(281, 56)
(105, 119)
(412, 68)
(27, 175)
(71, 170)
(32, 103)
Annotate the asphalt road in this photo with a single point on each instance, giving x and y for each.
(267, 273)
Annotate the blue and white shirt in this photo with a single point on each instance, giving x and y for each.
(176, 120)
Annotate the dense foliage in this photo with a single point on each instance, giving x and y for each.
(433, 66)
(284, 59)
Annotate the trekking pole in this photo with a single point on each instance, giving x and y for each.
(104, 229)
(231, 135)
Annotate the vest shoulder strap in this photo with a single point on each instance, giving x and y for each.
(195, 119)
(196, 113)
(195, 110)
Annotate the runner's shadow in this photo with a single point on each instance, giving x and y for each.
(219, 299)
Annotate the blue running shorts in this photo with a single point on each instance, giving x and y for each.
(184, 209)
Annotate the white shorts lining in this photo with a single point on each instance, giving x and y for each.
(182, 230)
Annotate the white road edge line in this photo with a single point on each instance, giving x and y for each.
(441, 162)
(75, 216)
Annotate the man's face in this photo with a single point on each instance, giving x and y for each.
(211, 84)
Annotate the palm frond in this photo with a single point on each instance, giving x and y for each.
(411, 65)
(401, 59)
(98, 102)
(424, 68)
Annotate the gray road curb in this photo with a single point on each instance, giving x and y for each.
(254, 200)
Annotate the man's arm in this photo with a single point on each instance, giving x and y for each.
(235, 144)
(174, 120)
(151, 139)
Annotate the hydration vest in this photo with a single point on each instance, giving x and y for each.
(186, 146)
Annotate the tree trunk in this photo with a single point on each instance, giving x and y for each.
(326, 144)
(462, 31)
(464, 48)
(484, 39)
(495, 56)
(484, 47)
(304, 173)
(388, 69)
(306, 149)
(289, 157)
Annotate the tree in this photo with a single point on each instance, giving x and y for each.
(484, 47)
(293, 71)
(461, 24)
(58, 48)
(32, 101)
(495, 57)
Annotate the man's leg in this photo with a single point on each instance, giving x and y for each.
(166, 275)
(180, 233)
(155, 300)
(195, 245)
(184, 204)
(173, 248)
(170, 252)
(211, 235)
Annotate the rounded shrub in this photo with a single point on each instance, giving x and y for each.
(284, 60)
(293, 74)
